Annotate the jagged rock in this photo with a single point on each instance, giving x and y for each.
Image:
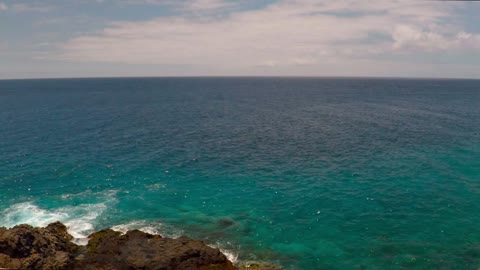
(50, 248)
(26, 247)
(9, 262)
(108, 249)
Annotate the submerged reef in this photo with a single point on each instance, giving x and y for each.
(51, 248)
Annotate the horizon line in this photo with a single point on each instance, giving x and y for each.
(241, 76)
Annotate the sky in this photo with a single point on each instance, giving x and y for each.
(118, 38)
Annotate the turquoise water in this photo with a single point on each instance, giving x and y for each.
(306, 173)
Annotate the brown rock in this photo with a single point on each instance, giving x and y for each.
(50, 248)
(108, 249)
(25, 247)
(9, 263)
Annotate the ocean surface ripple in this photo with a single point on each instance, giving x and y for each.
(307, 173)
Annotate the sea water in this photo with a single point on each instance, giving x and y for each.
(307, 173)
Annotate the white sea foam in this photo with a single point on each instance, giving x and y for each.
(138, 225)
(231, 256)
(78, 219)
(29, 213)
(155, 186)
(148, 227)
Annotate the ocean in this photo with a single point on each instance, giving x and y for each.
(307, 173)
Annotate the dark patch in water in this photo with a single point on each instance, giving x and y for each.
(225, 222)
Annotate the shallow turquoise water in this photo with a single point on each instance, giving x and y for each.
(306, 173)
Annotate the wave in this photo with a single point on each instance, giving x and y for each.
(81, 220)
(231, 256)
(78, 219)
(139, 225)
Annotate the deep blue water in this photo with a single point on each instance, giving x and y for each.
(303, 172)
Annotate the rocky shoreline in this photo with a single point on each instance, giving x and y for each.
(51, 248)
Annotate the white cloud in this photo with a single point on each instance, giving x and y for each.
(290, 33)
(3, 7)
(303, 61)
(267, 63)
(142, 2)
(21, 7)
(207, 4)
(411, 37)
(195, 6)
(406, 36)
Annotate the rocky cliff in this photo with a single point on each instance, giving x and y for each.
(50, 248)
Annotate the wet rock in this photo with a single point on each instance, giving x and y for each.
(51, 248)
(25, 247)
(108, 249)
(9, 262)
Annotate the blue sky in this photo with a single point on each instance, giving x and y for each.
(97, 38)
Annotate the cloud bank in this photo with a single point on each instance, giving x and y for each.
(285, 34)
(22, 7)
